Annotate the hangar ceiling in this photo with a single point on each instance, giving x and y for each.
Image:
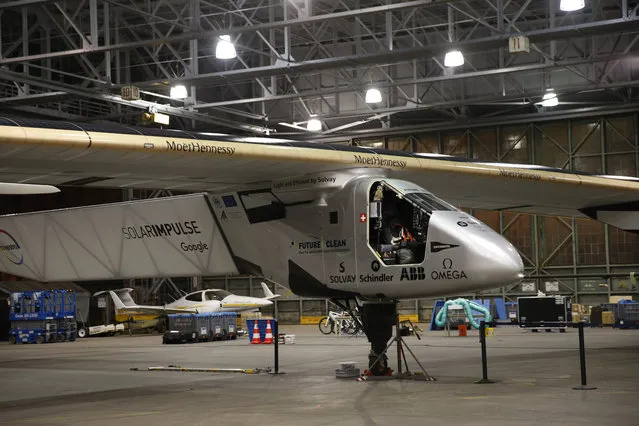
(298, 59)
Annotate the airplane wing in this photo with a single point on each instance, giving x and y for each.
(181, 235)
(60, 153)
(124, 304)
(26, 189)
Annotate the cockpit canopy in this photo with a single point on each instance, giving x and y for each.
(216, 294)
(206, 295)
(399, 213)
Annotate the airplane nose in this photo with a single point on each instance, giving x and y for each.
(497, 263)
(492, 260)
(508, 268)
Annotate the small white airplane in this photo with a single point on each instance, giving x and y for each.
(198, 302)
(318, 219)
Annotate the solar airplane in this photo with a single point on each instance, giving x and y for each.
(331, 221)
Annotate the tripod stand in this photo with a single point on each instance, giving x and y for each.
(401, 355)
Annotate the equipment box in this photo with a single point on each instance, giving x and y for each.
(182, 329)
(545, 312)
(229, 325)
(216, 324)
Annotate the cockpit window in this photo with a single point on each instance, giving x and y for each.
(397, 227)
(428, 202)
(194, 297)
(216, 294)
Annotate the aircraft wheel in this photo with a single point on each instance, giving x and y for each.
(82, 332)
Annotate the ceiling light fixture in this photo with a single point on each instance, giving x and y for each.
(179, 92)
(373, 96)
(550, 99)
(571, 5)
(314, 125)
(454, 58)
(224, 48)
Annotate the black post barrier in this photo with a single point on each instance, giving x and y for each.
(276, 351)
(484, 362)
(582, 360)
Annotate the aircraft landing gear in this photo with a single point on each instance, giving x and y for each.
(378, 320)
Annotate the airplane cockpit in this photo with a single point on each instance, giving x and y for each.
(215, 294)
(206, 295)
(399, 217)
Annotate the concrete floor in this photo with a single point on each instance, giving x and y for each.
(89, 382)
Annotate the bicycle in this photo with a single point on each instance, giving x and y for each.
(341, 322)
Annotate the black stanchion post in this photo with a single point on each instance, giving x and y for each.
(276, 352)
(582, 360)
(484, 362)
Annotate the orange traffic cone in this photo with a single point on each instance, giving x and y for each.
(268, 338)
(255, 340)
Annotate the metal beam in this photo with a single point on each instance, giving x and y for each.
(140, 104)
(462, 76)
(22, 3)
(254, 27)
(485, 99)
(612, 26)
(482, 44)
(38, 98)
(477, 123)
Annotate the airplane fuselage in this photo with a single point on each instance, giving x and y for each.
(338, 234)
(324, 237)
(215, 300)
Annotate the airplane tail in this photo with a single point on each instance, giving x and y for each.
(268, 294)
(121, 298)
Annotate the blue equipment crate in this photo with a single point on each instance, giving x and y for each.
(217, 326)
(182, 329)
(230, 324)
(181, 322)
(203, 326)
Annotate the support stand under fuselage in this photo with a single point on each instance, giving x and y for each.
(378, 320)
